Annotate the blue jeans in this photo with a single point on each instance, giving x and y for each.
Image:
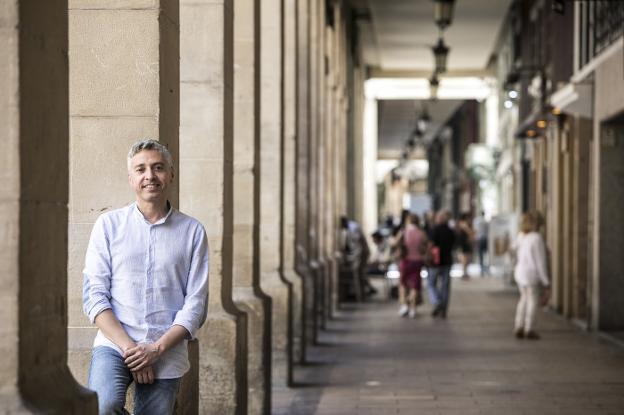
(439, 286)
(110, 377)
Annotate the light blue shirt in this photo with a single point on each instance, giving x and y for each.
(152, 276)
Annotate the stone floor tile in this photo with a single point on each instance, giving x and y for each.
(369, 361)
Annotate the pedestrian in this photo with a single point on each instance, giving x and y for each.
(145, 288)
(465, 237)
(415, 243)
(380, 255)
(429, 222)
(480, 226)
(355, 257)
(439, 273)
(530, 273)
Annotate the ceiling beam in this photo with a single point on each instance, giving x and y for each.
(374, 72)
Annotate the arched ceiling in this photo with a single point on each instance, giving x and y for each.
(399, 34)
(397, 119)
(396, 38)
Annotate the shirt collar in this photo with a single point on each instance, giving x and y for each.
(140, 216)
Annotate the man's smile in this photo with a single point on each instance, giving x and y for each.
(151, 186)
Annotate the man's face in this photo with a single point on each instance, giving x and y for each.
(150, 176)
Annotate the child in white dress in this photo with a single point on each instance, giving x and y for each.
(530, 272)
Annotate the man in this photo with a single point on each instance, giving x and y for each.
(356, 253)
(145, 288)
(439, 278)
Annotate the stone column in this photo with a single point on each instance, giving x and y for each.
(322, 171)
(567, 232)
(329, 207)
(581, 218)
(288, 177)
(248, 295)
(33, 212)
(314, 305)
(206, 179)
(271, 112)
(556, 221)
(337, 142)
(124, 77)
(302, 173)
(339, 163)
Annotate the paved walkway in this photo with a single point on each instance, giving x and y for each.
(370, 361)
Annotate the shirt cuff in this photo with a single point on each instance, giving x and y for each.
(97, 309)
(190, 328)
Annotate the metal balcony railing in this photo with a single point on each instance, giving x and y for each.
(600, 23)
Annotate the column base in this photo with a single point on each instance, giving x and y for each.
(223, 363)
(257, 307)
(280, 291)
(296, 282)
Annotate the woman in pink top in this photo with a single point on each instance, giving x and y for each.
(414, 247)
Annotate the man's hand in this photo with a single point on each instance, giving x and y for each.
(145, 375)
(141, 356)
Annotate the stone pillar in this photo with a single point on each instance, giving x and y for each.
(124, 86)
(330, 169)
(272, 281)
(288, 177)
(581, 218)
(608, 194)
(302, 173)
(556, 220)
(248, 295)
(206, 180)
(337, 140)
(339, 133)
(322, 171)
(33, 212)
(314, 306)
(567, 232)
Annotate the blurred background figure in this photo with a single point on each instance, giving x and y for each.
(380, 255)
(355, 255)
(429, 222)
(439, 278)
(465, 238)
(414, 245)
(481, 226)
(530, 272)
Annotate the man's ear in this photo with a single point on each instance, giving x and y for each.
(172, 173)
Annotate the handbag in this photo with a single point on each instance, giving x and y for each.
(432, 258)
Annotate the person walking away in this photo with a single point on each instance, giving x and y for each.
(530, 272)
(146, 289)
(480, 226)
(465, 237)
(429, 222)
(439, 277)
(415, 245)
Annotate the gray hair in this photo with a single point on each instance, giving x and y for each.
(150, 144)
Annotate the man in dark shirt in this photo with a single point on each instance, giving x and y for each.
(439, 278)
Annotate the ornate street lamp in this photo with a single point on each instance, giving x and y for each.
(434, 83)
(440, 53)
(423, 121)
(443, 13)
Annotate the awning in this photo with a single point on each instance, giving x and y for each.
(574, 99)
